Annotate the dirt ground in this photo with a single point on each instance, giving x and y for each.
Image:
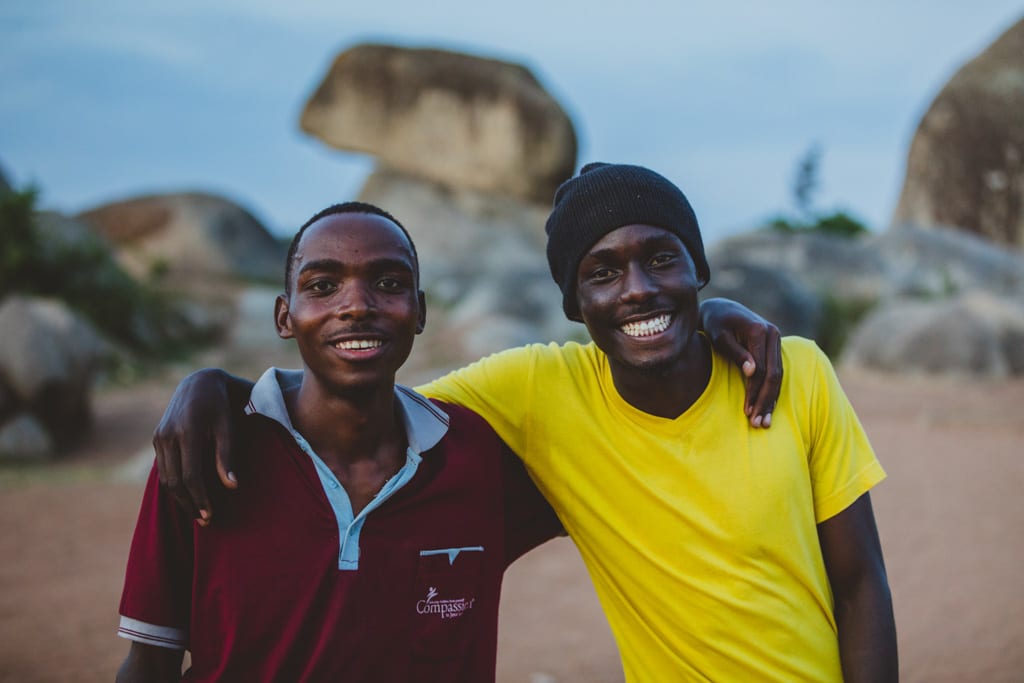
(951, 516)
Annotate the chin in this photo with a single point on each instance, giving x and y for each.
(654, 366)
(650, 364)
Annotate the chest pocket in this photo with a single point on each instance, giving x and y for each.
(447, 586)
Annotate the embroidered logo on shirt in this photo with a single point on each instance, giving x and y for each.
(447, 609)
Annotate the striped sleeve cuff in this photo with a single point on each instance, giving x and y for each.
(151, 634)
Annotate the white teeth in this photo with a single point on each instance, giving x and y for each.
(647, 328)
(358, 344)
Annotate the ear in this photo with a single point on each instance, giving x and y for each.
(422, 322)
(282, 320)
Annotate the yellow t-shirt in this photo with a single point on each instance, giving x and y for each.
(699, 532)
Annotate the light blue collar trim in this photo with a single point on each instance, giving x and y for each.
(425, 425)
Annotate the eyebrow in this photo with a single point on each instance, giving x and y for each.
(649, 241)
(334, 265)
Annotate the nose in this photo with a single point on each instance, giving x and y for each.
(637, 285)
(355, 300)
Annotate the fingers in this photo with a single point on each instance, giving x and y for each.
(756, 374)
(770, 384)
(728, 346)
(222, 441)
(193, 481)
(168, 462)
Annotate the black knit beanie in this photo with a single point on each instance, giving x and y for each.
(603, 198)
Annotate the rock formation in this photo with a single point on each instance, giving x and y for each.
(48, 360)
(976, 333)
(788, 276)
(773, 292)
(938, 263)
(966, 162)
(188, 235)
(452, 118)
(915, 278)
(470, 152)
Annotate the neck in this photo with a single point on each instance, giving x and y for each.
(348, 427)
(667, 391)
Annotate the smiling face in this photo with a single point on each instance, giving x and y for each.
(637, 294)
(353, 305)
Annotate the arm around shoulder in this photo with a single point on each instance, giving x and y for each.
(498, 388)
(754, 345)
(196, 425)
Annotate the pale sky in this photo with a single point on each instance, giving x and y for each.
(105, 99)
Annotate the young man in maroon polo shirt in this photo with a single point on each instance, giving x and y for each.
(370, 539)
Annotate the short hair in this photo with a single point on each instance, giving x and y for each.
(345, 207)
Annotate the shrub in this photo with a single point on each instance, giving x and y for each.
(83, 274)
(838, 320)
(838, 224)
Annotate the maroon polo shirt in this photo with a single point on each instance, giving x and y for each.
(259, 596)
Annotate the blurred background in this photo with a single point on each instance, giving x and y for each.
(857, 170)
(105, 99)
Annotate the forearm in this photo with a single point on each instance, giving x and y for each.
(711, 310)
(860, 589)
(238, 389)
(867, 633)
(150, 664)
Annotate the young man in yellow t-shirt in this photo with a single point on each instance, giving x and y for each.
(719, 551)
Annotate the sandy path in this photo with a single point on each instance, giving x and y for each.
(951, 517)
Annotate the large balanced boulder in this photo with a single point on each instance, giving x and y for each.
(966, 162)
(187, 235)
(49, 358)
(457, 119)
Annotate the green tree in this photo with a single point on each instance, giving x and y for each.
(805, 183)
(808, 219)
(84, 274)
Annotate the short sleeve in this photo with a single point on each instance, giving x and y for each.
(842, 462)
(157, 596)
(529, 519)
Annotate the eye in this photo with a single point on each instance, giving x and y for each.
(601, 273)
(663, 258)
(321, 286)
(392, 284)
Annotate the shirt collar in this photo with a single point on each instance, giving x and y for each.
(425, 423)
